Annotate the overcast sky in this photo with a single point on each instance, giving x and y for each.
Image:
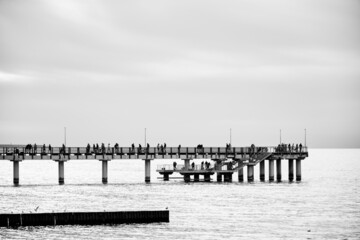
(188, 71)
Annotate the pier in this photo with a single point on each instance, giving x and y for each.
(224, 160)
(82, 218)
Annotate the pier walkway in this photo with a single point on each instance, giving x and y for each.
(226, 160)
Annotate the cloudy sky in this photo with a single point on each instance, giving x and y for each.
(188, 71)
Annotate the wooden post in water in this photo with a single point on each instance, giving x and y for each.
(291, 170)
(250, 172)
(262, 171)
(16, 172)
(147, 170)
(278, 170)
(298, 169)
(271, 170)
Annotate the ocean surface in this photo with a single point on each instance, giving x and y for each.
(324, 205)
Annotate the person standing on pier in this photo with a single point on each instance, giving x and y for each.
(35, 151)
(50, 149)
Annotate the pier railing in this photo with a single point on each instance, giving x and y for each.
(40, 150)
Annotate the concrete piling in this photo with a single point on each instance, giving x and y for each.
(61, 172)
(291, 170)
(187, 164)
(262, 171)
(228, 177)
(196, 177)
(278, 170)
(298, 169)
(207, 178)
(250, 172)
(241, 174)
(104, 171)
(218, 177)
(147, 170)
(16, 172)
(271, 170)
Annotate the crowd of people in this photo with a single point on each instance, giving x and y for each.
(161, 149)
(204, 165)
(288, 148)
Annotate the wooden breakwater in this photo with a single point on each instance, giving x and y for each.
(82, 218)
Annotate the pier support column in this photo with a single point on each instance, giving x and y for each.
(196, 177)
(147, 170)
(218, 177)
(262, 171)
(166, 177)
(250, 172)
(278, 170)
(228, 177)
(61, 172)
(298, 169)
(104, 171)
(16, 172)
(187, 177)
(241, 174)
(271, 170)
(207, 177)
(187, 164)
(291, 170)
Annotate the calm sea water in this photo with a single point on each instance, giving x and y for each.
(325, 205)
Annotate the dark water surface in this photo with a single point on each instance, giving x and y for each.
(325, 205)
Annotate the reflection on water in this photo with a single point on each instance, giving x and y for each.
(324, 205)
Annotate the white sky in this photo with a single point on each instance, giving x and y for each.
(188, 71)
